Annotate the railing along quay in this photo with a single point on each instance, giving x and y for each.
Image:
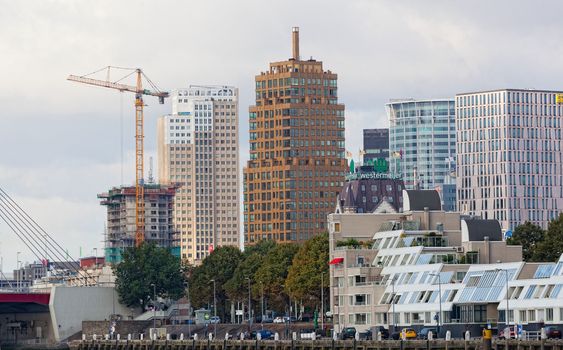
(323, 344)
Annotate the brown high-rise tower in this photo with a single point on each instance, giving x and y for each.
(297, 163)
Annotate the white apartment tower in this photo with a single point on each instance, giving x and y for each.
(198, 151)
(509, 160)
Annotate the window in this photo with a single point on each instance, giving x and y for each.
(336, 227)
(517, 292)
(549, 314)
(531, 315)
(522, 315)
(530, 292)
(361, 318)
(480, 313)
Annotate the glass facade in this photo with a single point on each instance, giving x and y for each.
(422, 139)
(509, 162)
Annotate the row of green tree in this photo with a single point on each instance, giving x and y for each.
(274, 274)
(539, 245)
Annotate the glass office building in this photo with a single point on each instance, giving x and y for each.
(510, 164)
(422, 140)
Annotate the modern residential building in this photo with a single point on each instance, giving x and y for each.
(422, 140)
(427, 268)
(371, 189)
(509, 163)
(297, 163)
(198, 151)
(120, 230)
(376, 145)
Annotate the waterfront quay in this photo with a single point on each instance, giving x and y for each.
(476, 344)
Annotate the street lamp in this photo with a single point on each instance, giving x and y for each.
(214, 311)
(322, 301)
(154, 308)
(262, 305)
(249, 307)
(439, 319)
(189, 310)
(393, 305)
(507, 308)
(19, 272)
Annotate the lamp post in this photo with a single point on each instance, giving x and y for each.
(262, 304)
(214, 310)
(393, 305)
(249, 307)
(322, 301)
(507, 308)
(19, 272)
(439, 319)
(154, 308)
(189, 310)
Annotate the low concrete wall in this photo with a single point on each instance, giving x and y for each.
(100, 328)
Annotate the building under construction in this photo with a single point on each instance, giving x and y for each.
(121, 228)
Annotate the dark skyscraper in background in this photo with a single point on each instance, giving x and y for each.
(376, 144)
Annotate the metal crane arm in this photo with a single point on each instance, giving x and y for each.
(116, 86)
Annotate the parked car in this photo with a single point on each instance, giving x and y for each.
(246, 335)
(552, 332)
(395, 335)
(267, 319)
(307, 333)
(264, 334)
(367, 335)
(423, 333)
(279, 319)
(348, 333)
(409, 333)
(508, 332)
(214, 319)
(384, 332)
(305, 318)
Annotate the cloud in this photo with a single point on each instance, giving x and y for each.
(60, 141)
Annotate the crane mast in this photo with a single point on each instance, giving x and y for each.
(139, 166)
(139, 134)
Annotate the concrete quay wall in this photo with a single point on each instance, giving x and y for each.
(315, 345)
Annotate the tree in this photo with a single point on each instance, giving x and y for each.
(350, 242)
(270, 276)
(143, 266)
(304, 278)
(219, 266)
(550, 249)
(529, 236)
(253, 257)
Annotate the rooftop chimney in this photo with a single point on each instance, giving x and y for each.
(295, 43)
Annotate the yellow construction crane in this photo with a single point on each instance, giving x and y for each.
(139, 127)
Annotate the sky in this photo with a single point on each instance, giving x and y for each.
(61, 142)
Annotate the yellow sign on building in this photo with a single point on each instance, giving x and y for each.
(559, 98)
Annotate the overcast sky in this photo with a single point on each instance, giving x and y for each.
(60, 142)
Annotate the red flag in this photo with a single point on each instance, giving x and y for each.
(336, 261)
